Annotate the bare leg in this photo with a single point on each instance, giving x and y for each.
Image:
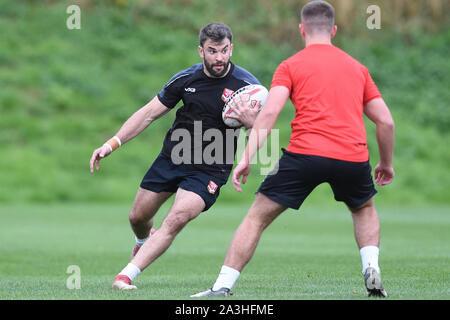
(366, 225)
(187, 206)
(261, 214)
(367, 235)
(145, 206)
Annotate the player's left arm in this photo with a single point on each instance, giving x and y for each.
(377, 111)
(263, 125)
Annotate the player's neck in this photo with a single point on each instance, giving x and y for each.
(317, 40)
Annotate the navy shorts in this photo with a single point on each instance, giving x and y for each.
(165, 176)
(299, 174)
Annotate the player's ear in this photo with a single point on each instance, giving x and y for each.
(301, 27)
(333, 31)
(231, 49)
(201, 52)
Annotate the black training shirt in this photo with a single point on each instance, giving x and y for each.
(203, 100)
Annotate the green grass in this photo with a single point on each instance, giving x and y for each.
(309, 254)
(66, 93)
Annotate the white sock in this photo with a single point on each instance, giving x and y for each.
(369, 257)
(131, 271)
(140, 242)
(226, 279)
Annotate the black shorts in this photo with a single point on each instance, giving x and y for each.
(299, 174)
(165, 176)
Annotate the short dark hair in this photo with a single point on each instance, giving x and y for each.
(318, 16)
(215, 31)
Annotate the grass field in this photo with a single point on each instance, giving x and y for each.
(309, 254)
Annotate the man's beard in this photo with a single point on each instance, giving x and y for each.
(217, 74)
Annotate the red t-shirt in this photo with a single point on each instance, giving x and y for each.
(328, 89)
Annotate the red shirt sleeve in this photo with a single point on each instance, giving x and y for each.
(282, 77)
(370, 89)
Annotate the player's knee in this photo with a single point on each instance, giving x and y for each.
(136, 218)
(175, 221)
(369, 204)
(257, 221)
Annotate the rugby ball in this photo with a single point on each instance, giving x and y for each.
(252, 93)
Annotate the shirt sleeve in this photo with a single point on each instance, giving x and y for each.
(170, 94)
(370, 89)
(244, 75)
(282, 76)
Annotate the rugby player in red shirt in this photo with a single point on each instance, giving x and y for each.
(331, 91)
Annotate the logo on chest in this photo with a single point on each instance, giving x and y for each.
(191, 90)
(226, 94)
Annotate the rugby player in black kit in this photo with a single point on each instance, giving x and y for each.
(185, 167)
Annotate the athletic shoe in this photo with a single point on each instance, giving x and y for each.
(136, 247)
(222, 292)
(373, 283)
(122, 282)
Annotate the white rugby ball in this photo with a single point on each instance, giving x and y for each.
(254, 93)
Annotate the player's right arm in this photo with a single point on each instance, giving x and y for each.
(140, 120)
(377, 111)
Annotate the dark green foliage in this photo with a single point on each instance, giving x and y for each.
(64, 92)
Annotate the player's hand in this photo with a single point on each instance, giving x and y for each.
(383, 174)
(245, 111)
(242, 169)
(97, 155)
